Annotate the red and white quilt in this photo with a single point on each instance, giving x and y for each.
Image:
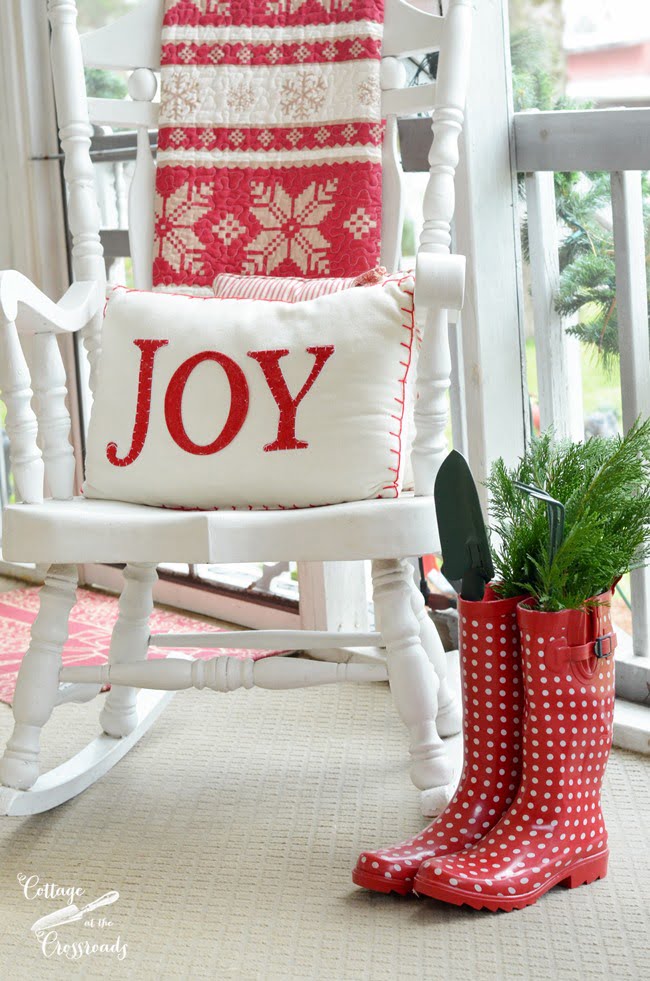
(269, 158)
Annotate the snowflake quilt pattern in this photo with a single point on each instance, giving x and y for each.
(270, 141)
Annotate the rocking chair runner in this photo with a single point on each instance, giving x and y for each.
(63, 531)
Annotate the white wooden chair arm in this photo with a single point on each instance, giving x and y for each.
(24, 309)
(24, 304)
(440, 281)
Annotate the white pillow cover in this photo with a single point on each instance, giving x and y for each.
(204, 402)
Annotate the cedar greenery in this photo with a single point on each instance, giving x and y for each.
(588, 272)
(604, 485)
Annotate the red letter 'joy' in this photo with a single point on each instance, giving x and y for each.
(269, 362)
(238, 403)
(142, 408)
(288, 406)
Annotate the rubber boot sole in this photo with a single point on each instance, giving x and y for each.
(580, 874)
(379, 883)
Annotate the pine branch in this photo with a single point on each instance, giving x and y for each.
(604, 485)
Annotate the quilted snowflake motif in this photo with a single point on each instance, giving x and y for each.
(181, 94)
(179, 244)
(241, 97)
(290, 228)
(303, 94)
(359, 224)
(369, 92)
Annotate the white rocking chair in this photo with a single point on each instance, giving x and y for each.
(63, 531)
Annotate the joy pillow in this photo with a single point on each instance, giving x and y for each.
(204, 402)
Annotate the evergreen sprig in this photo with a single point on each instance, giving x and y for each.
(604, 485)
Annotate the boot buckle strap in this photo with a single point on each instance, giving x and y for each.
(560, 653)
(605, 646)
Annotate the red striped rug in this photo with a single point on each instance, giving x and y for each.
(91, 623)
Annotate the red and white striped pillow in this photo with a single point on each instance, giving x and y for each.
(291, 289)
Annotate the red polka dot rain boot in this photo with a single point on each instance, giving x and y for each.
(492, 710)
(554, 832)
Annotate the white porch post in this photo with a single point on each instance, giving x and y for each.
(31, 204)
(632, 302)
(333, 596)
(487, 232)
(33, 237)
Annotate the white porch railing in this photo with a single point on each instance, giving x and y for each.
(617, 141)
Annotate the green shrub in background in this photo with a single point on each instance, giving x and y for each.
(101, 84)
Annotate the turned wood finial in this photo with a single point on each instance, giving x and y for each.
(142, 85)
(62, 9)
(393, 73)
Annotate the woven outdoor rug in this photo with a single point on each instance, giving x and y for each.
(91, 623)
(230, 832)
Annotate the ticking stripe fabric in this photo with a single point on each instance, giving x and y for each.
(269, 159)
(290, 289)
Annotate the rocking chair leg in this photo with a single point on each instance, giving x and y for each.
(38, 679)
(129, 642)
(449, 718)
(413, 684)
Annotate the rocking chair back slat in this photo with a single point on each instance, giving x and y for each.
(118, 112)
(134, 40)
(131, 42)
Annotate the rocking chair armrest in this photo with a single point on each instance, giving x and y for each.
(440, 281)
(34, 312)
(39, 430)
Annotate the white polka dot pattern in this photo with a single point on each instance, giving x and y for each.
(492, 710)
(554, 832)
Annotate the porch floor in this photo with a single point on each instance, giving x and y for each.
(230, 833)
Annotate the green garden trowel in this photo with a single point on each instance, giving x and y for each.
(466, 556)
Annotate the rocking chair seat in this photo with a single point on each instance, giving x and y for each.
(82, 530)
